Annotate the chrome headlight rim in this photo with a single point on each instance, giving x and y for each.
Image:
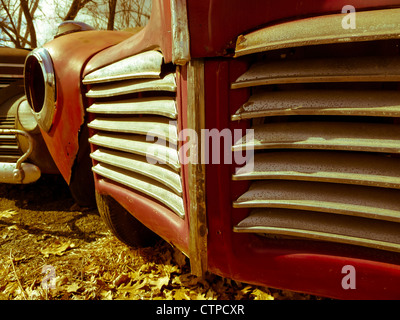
(40, 86)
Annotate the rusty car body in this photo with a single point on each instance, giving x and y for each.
(323, 101)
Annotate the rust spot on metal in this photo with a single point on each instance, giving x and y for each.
(240, 42)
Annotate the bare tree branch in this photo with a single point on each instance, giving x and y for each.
(75, 7)
(128, 13)
(10, 27)
(17, 26)
(112, 4)
(9, 35)
(29, 22)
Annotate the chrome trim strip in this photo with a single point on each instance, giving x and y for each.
(163, 106)
(321, 102)
(353, 69)
(45, 116)
(352, 136)
(143, 65)
(180, 33)
(371, 25)
(198, 231)
(138, 145)
(322, 227)
(370, 202)
(324, 166)
(138, 164)
(19, 175)
(11, 76)
(159, 127)
(133, 86)
(144, 185)
(11, 65)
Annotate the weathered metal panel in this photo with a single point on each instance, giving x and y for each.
(383, 103)
(198, 231)
(326, 227)
(367, 202)
(180, 33)
(143, 65)
(140, 165)
(335, 167)
(373, 137)
(163, 106)
(353, 69)
(170, 226)
(149, 126)
(144, 185)
(138, 145)
(133, 86)
(371, 25)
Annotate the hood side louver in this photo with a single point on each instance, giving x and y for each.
(136, 134)
(326, 146)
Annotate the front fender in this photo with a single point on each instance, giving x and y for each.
(69, 54)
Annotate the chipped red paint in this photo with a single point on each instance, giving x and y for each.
(70, 54)
(155, 216)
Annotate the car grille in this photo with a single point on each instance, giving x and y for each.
(134, 120)
(326, 144)
(9, 149)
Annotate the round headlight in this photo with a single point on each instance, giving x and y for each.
(40, 86)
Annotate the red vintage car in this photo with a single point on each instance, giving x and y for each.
(261, 138)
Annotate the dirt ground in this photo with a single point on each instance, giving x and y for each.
(52, 249)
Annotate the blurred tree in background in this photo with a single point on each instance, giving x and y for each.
(31, 23)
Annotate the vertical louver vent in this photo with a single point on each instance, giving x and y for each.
(135, 127)
(327, 144)
(9, 149)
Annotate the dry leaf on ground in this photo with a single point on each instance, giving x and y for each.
(57, 249)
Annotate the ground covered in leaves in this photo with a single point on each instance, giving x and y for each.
(52, 249)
